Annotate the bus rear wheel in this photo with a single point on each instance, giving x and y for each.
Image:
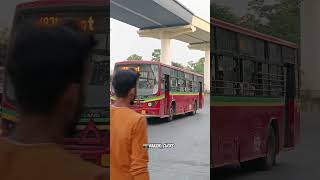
(195, 108)
(269, 160)
(171, 113)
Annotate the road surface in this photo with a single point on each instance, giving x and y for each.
(300, 164)
(189, 159)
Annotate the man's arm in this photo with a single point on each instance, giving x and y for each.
(139, 155)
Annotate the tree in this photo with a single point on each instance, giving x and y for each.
(156, 54)
(179, 65)
(197, 67)
(134, 57)
(280, 19)
(223, 13)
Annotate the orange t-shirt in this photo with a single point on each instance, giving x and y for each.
(128, 134)
(44, 161)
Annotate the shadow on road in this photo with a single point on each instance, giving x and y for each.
(238, 173)
(230, 172)
(157, 121)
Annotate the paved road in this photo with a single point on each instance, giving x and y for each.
(189, 159)
(301, 164)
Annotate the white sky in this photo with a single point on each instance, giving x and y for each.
(124, 40)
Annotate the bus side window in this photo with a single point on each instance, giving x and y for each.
(190, 86)
(248, 73)
(173, 84)
(181, 85)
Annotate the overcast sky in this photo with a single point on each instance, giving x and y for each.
(7, 11)
(125, 41)
(124, 38)
(238, 7)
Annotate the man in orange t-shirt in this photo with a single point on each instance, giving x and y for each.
(48, 68)
(128, 157)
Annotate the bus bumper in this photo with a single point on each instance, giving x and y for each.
(148, 112)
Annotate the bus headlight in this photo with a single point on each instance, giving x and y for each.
(151, 104)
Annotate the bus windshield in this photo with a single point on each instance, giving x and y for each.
(89, 21)
(148, 81)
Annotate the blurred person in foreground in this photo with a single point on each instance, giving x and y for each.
(49, 70)
(128, 132)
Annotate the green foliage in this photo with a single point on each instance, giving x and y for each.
(134, 57)
(176, 64)
(197, 67)
(223, 13)
(156, 54)
(280, 19)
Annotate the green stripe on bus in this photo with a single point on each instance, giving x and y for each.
(183, 93)
(246, 101)
(157, 98)
(8, 112)
(145, 100)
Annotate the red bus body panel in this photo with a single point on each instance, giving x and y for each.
(184, 102)
(239, 132)
(239, 125)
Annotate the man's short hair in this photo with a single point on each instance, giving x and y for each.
(43, 61)
(123, 81)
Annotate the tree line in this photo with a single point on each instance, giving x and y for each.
(279, 19)
(194, 66)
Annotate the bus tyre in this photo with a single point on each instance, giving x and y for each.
(172, 113)
(268, 161)
(195, 108)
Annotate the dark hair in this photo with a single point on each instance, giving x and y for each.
(123, 81)
(43, 61)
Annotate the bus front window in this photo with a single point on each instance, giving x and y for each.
(9, 91)
(148, 83)
(97, 85)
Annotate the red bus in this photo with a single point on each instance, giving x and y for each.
(165, 91)
(91, 139)
(255, 96)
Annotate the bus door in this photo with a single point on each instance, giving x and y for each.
(167, 94)
(200, 95)
(290, 96)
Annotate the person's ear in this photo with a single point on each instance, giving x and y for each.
(132, 93)
(69, 100)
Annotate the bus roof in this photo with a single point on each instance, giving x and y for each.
(53, 3)
(158, 63)
(255, 34)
